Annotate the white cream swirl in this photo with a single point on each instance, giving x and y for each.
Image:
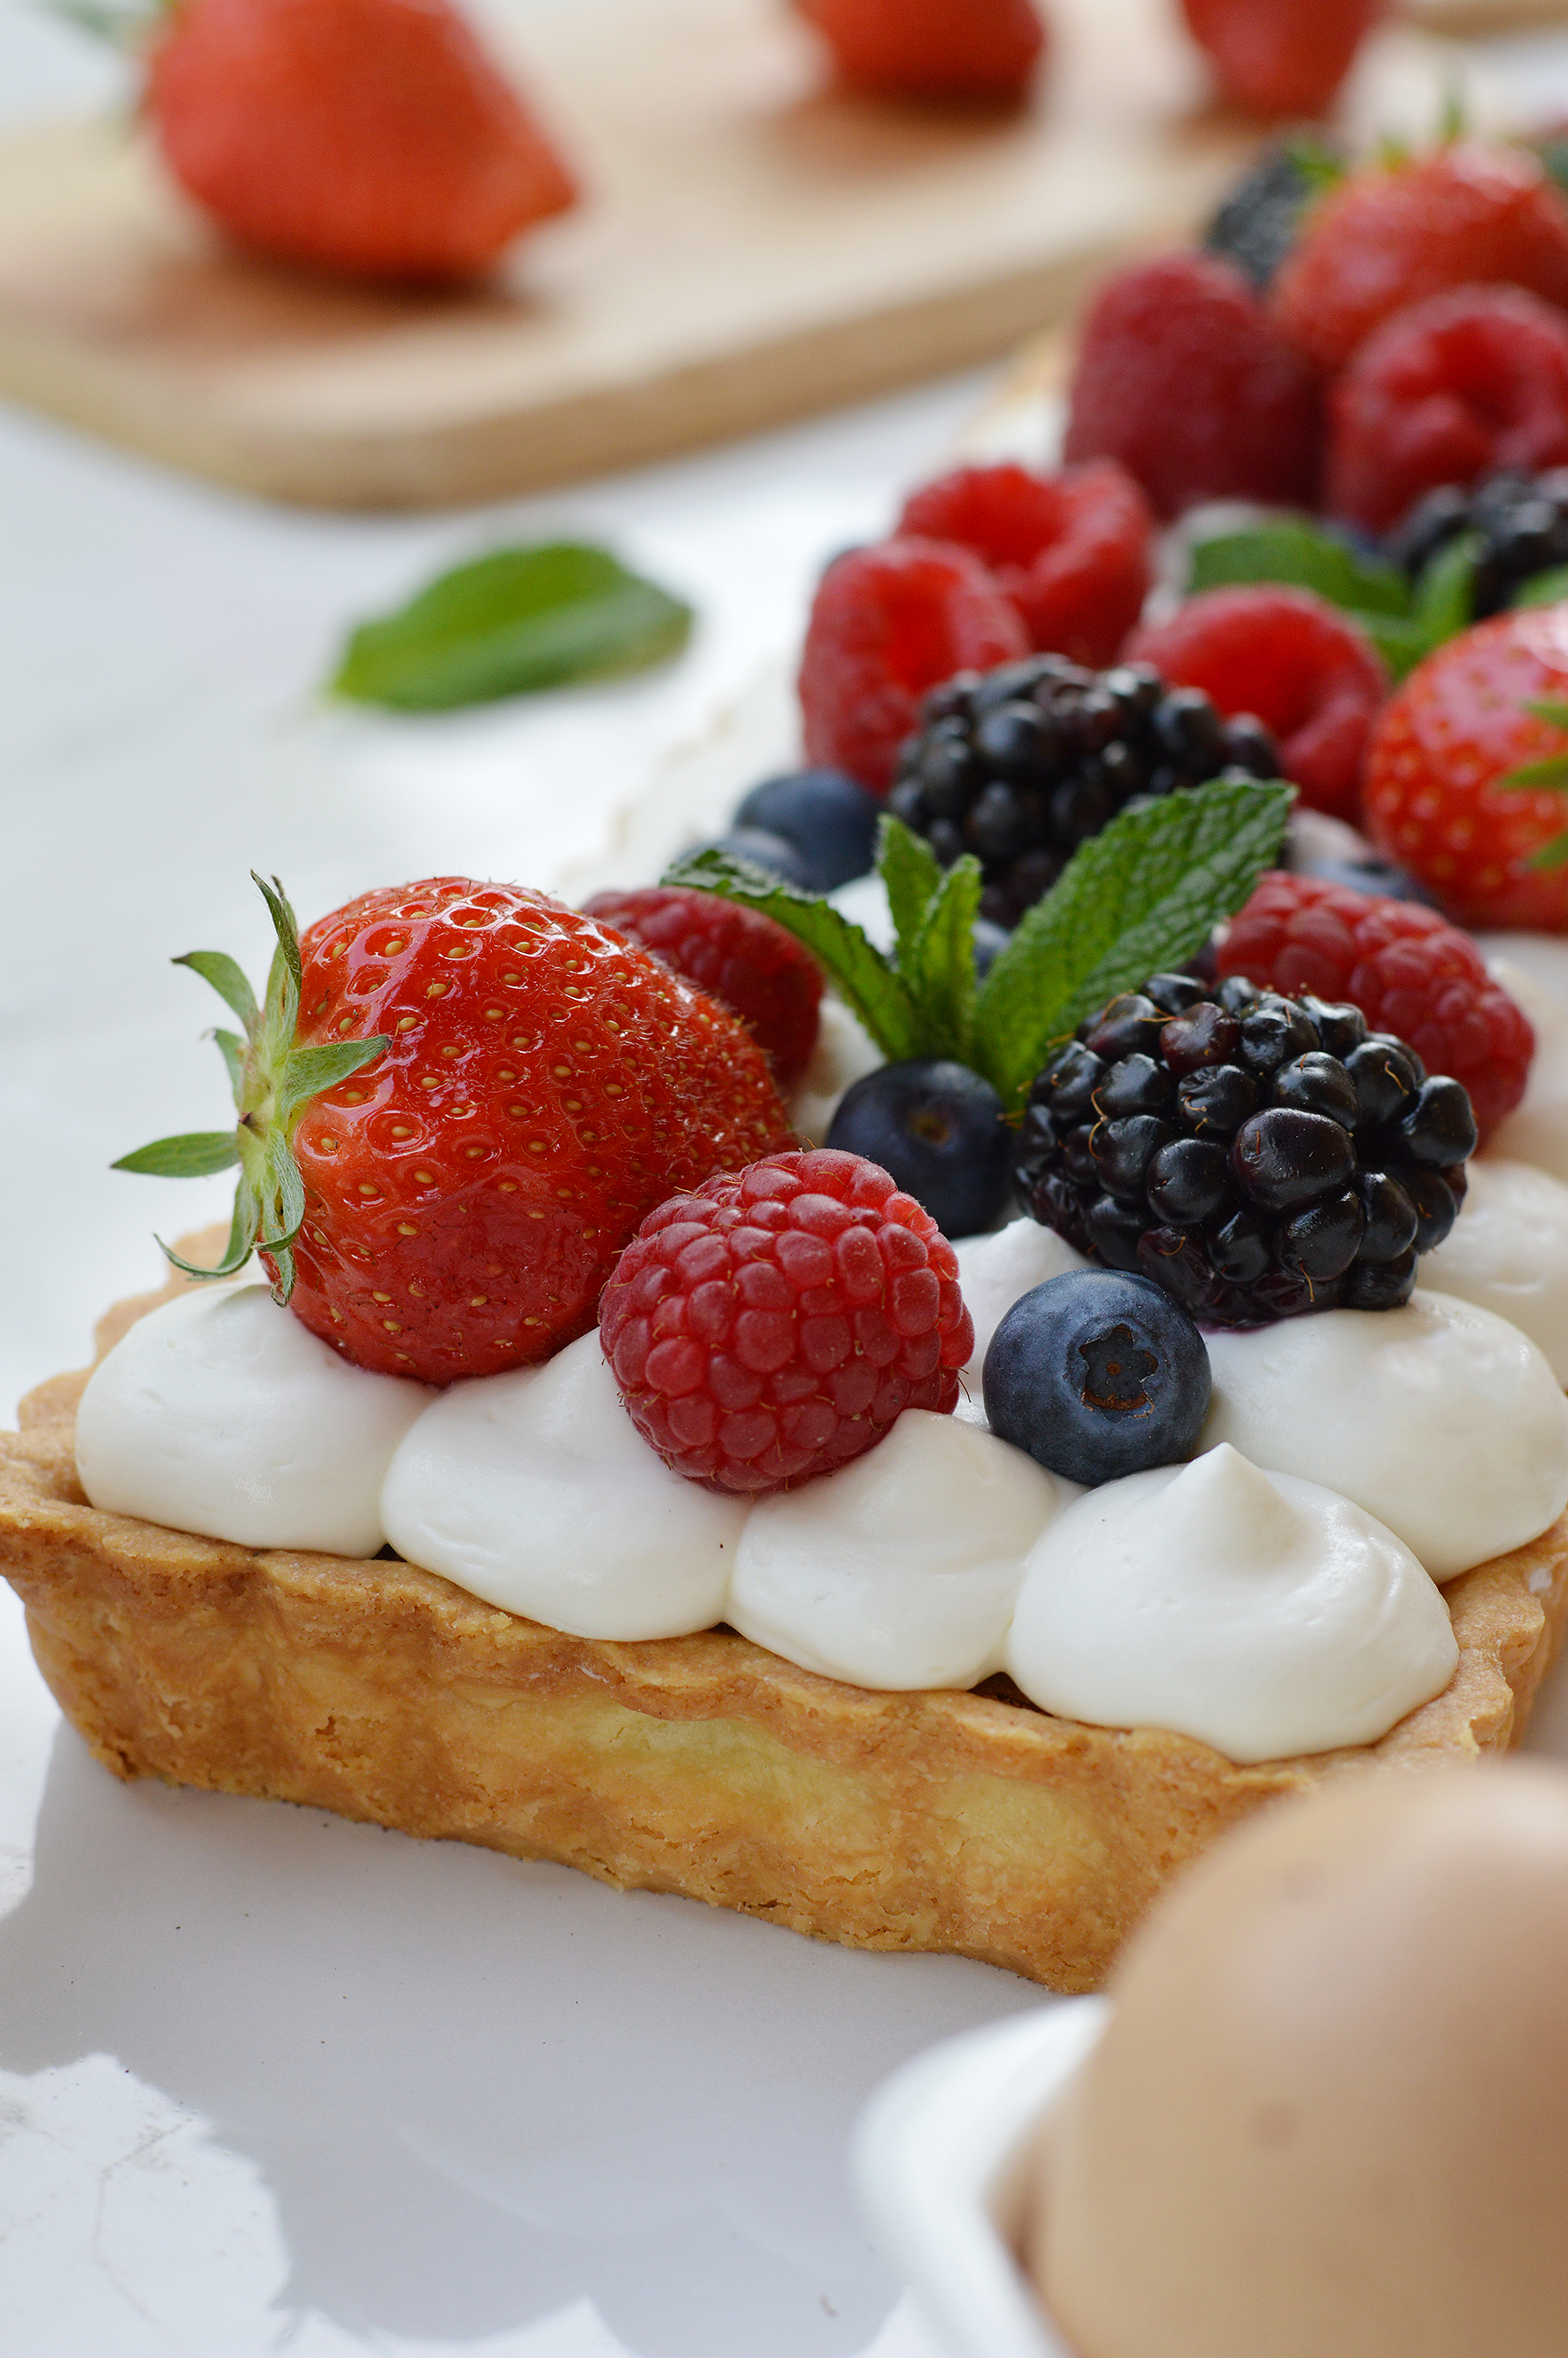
(900, 1570)
(1508, 1251)
(220, 1413)
(535, 1491)
(1441, 1419)
(1261, 1614)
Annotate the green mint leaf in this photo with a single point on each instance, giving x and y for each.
(1543, 588)
(194, 1156)
(510, 623)
(1299, 555)
(1444, 599)
(1402, 644)
(1143, 894)
(940, 965)
(228, 980)
(309, 1072)
(871, 987)
(909, 869)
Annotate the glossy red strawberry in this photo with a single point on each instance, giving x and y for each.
(371, 136)
(1436, 800)
(984, 49)
(457, 1116)
(1282, 57)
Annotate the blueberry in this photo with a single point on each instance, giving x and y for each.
(771, 854)
(830, 820)
(1097, 1375)
(1377, 876)
(938, 1128)
(989, 942)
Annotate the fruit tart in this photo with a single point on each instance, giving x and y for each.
(603, 1477)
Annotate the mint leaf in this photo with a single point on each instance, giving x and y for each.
(912, 876)
(1444, 599)
(939, 966)
(509, 624)
(878, 994)
(1143, 894)
(1299, 555)
(1543, 588)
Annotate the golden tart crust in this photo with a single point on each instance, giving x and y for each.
(700, 1765)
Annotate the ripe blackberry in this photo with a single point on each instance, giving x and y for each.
(1257, 1156)
(1522, 521)
(1022, 765)
(1257, 223)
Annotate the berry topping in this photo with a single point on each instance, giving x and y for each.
(445, 1198)
(887, 624)
(1256, 226)
(1270, 1130)
(1466, 216)
(979, 49)
(829, 820)
(1406, 969)
(1520, 525)
(1436, 797)
(1276, 57)
(374, 136)
(1097, 1376)
(1071, 550)
(1183, 376)
(737, 955)
(1447, 392)
(773, 1325)
(1307, 672)
(1023, 766)
(776, 855)
(938, 1126)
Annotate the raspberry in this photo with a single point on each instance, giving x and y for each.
(1070, 550)
(1432, 801)
(1311, 677)
(1276, 56)
(737, 955)
(1407, 970)
(1183, 376)
(773, 1324)
(888, 623)
(1467, 216)
(1463, 386)
(1258, 1157)
(982, 50)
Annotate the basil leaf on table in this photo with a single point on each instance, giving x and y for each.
(509, 624)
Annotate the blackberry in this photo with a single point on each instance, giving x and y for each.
(1022, 765)
(1257, 223)
(1522, 521)
(1257, 1156)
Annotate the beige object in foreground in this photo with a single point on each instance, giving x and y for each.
(753, 245)
(701, 1764)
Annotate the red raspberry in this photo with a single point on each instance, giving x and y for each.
(1467, 216)
(1070, 550)
(1471, 383)
(1406, 968)
(1279, 57)
(984, 49)
(1459, 724)
(1184, 377)
(737, 955)
(773, 1324)
(1311, 677)
(888, 623)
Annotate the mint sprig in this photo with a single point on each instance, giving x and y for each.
(1144, 893)
(272, 1081)
(1404, 623)
(510, 623)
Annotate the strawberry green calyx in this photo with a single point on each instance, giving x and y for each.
(273, 1080)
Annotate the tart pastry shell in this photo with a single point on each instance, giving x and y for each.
(968, 1823)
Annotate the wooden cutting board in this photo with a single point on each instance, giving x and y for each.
(754, 246)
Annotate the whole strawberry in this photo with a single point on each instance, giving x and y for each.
(1466, 216)
(369, 136)
(1279, 57)
(1487, 707)
(446, 1196)
(976, 49)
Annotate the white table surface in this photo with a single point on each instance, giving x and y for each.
(269, 2081)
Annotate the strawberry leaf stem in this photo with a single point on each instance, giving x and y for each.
(272, 1081)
